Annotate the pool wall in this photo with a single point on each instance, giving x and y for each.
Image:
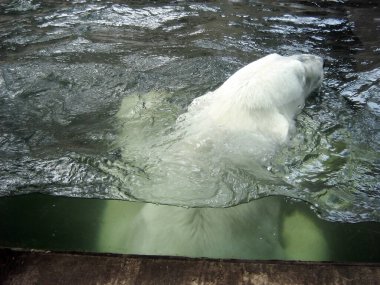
(44, 267)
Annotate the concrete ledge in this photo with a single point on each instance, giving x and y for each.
(40, 267)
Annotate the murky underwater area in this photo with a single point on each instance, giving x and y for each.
(67, 67)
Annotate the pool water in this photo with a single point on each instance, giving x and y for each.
(72, 224)
(66, 67)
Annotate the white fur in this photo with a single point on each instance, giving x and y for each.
(233, 232)
(264, 96)
(258, 102)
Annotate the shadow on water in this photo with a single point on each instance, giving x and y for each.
(46, 222)
(347, 242)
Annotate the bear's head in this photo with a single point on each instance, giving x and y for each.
(313, 71)
(274, 81)
(267, 94)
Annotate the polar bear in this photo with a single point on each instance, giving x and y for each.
(264, 96)
(253, 111)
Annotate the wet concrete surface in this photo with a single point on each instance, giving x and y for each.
(42, 267)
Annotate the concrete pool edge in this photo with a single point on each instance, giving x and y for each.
(18, 266)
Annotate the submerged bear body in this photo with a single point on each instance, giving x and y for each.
(237, 126)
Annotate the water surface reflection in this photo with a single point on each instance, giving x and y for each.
(66, 66)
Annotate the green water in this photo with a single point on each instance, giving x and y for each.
(57, 223)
